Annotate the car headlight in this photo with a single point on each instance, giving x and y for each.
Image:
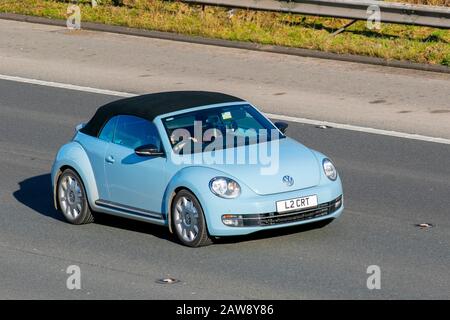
(225, 187)
(329, 169)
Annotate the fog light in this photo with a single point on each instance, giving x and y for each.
(338, 203)
(232, 220)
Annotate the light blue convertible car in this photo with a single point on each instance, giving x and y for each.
(204, 164)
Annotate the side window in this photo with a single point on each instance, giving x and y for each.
(133, 132)
(107, 132)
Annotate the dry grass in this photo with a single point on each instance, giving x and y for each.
(417, 44)
(442, 3)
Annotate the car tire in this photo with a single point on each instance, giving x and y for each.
(188, 220)
(72, 198)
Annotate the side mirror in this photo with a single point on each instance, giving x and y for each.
(80, 126)
(148, 150)
(282, 126)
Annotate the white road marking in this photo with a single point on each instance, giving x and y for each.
(270, 115)
(350, 127)
(66, 86)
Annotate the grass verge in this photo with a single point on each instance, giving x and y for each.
(415, 44)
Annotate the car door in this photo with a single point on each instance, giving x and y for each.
(136, 183)
(96, 148)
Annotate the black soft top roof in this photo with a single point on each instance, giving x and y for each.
(150, 106)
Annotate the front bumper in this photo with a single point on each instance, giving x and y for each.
(275, 218)
(259, 212)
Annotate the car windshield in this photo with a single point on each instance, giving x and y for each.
(225, 127)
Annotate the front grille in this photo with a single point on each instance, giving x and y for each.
(274, 218)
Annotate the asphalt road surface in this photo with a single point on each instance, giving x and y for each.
(350, 93)
(391, 184)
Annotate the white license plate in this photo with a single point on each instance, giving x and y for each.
(297, 203)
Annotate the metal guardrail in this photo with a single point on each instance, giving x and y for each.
(399, 13)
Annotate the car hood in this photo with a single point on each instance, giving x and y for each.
(266, 176)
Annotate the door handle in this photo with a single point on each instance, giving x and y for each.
(110, 159)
